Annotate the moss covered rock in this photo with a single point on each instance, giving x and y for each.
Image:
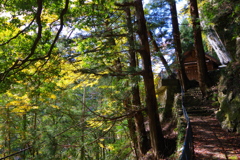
(229, 98)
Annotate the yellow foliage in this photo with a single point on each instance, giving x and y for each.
(13, 103)
(69, 76)
(49, 18)
(8, 33)
(24, 100)
(201, 4)
(87, 29)
(94, 124)
(52, 96)
(55, 106)
(23, 109)
(106, 129)
(110, 147)
(9, 94)
(34, 107)
(101, 145)
(104, 86)
(21, 104)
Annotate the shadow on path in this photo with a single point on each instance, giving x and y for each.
(209, 139)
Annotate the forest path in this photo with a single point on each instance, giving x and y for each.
(210, 141)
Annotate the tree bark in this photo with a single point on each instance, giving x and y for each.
(156, 135)
(142, 138)
(238, 49)
(218, 46)
(177, 44)
(83, 129)
(201, 65)
(132, 128)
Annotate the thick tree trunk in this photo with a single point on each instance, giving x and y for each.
(201, 65)
(156, 135)
(177, 42)
(143, 142)
(142, 138)
(218, 46)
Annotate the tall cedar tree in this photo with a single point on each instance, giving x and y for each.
(201, 65)
(143, 142)
(177, 44)
(156, 135)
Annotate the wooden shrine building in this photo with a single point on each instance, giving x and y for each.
(190, 63)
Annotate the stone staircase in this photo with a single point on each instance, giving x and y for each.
(193, 96)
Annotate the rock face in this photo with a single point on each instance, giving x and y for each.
(229, 98)
(166, 90)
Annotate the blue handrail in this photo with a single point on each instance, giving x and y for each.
(188, 149)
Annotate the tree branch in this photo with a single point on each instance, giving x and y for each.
(18, 63)
(39, 34)
(130, 114)
(20, 32)
(64, 11)
(92, 71)
(125, 4)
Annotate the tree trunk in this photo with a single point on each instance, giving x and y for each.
(218, 46)
(201, 65)
(156, 48)
(177, 44)
(156, 135)
(143, 142)
(83, 119)
(132, 128)
(237, 49)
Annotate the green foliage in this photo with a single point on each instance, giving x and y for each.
(186, 35)
(49, 102)
(228, 97)
(224, 17)
(63, 91)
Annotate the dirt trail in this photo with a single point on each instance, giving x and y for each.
(210, 140)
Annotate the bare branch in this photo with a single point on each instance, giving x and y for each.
(123, 73)
(39, 34)
(22, 150)
(64, 11)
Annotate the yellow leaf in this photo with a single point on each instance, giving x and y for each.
(55, 106)
(35, 107)
(110, 147)
(13, 103)
(101, 145)
(106, 129)
(53, 96)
